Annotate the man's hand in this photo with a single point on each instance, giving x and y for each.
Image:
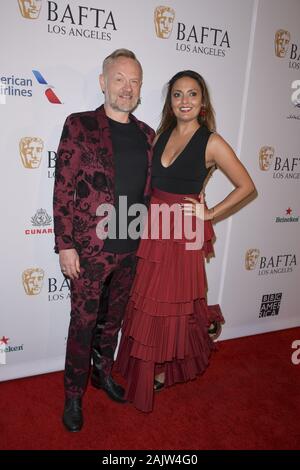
(69, 263)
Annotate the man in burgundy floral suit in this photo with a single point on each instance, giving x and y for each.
(102, 155)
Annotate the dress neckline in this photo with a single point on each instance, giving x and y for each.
(182, 151)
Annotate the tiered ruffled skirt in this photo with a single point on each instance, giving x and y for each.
(167, 318)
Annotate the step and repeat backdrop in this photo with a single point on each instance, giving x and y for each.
(249, 53)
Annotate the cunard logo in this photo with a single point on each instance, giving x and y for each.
(40, 221)
(41, 218)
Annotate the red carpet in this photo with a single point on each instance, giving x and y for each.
(247, 399)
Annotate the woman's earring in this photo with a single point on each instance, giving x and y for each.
(202, 111)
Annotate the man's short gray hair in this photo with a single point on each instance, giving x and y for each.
(119, 53)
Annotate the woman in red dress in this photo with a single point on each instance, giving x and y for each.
(165, 334)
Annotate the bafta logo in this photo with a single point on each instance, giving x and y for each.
(251, 258)
(31, 149)
(266, 155)
(282, 40)
(33, 280)
(30, 9)
(163, 20)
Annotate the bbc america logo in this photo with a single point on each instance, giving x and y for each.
(270, 305)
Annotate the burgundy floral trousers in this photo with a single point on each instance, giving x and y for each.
(87, 311)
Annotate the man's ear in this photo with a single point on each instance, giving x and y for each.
(102, 82)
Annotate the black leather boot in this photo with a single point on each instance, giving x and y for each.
(109, 386)
(99, 378)
(72, 417)
(102, 380)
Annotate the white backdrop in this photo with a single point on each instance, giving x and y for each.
(254, 92)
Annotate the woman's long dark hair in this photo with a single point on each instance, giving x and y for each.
(207, 117)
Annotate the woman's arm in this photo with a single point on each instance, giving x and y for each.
(219, 152)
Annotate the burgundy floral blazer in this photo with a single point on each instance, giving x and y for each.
(84, 179)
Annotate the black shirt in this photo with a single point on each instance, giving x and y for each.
(187, 173)
(130, 163)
